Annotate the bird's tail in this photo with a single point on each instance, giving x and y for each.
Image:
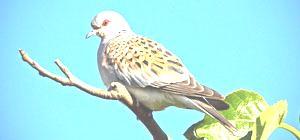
(210, 110)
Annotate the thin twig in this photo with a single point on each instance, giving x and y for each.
(117, 91)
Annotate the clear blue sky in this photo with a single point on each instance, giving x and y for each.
(252, 44)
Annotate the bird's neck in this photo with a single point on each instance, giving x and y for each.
(105, 40)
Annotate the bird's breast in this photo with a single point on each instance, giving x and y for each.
(106, 71)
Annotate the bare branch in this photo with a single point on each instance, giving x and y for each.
(71, 80)
(116, 91)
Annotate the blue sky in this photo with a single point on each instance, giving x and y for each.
(226, 45)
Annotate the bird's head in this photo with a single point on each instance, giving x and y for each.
(107, 25)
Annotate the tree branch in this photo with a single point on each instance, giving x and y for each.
(116, 91)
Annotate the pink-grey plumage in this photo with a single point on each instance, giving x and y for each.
(151, 73)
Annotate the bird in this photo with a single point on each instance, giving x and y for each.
(152, 74)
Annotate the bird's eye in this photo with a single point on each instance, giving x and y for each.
(105, 22)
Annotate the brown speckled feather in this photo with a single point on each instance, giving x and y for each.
(141, 62)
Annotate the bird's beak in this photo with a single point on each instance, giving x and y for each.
(91, 33)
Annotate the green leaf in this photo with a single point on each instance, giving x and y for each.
(245, 107)
(269, 120)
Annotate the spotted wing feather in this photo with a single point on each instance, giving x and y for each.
(141, 62)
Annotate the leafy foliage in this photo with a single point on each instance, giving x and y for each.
(251, 115)
(269, 120)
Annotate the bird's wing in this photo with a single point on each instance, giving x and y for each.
(141, 62)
